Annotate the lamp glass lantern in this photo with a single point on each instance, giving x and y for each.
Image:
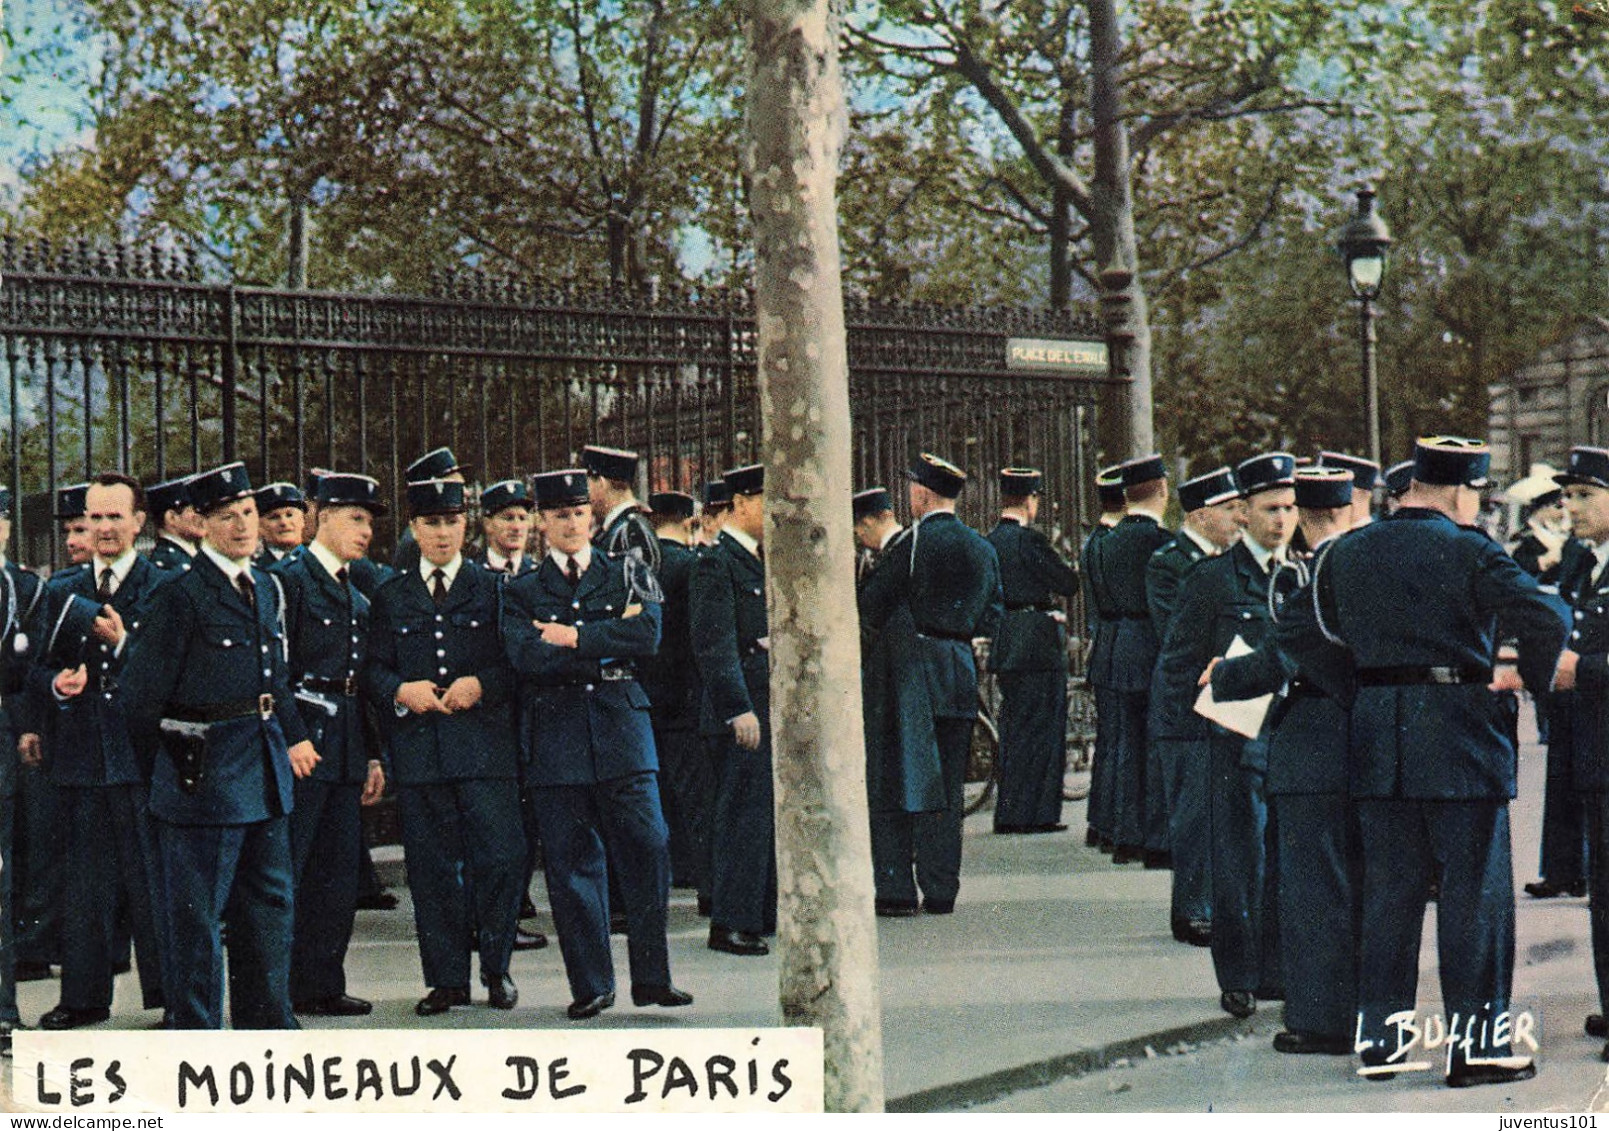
(1365, 244)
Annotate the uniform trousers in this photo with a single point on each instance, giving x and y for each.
(1186, 773)
(1245, 919)
(743, 880)
(326, 854)
(1597, 809)
(576, 823)
(239, 873)
(111, 853)
(1033, 747)
(1564, 813)
(39, 861)
(1129, 784)
(1405, 845)
(930, 841)
(466, 863)
(686, 788)
(1320, 874)
(1100, 809)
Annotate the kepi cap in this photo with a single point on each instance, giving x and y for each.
(1398, 476)
(1266, 472)
(276, 495)
(1109, 487)
(436, 464)
(1145, 469)
(1451, 461)
(169, 495)
(671, 504)
(748, 480)
(940, 476)
(339, 489)
(1589, 466)
(1020, 481)
(873, 500)
(70, 501)
(1324, 488)
(435, 496)
(558, 489)
(610, 463)
(1208, 490)
(219, 487)
(501, 496)
(1365, 472)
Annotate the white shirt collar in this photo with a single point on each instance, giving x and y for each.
(326, 557)
(184, 544)
(120, 566)
(231, 568)
(450, 569)
(1600, 555)
(583, 558)
(628, 505)
(1260, 555)
(1208, 546)
(893, 533)
(752, 545)
(497, 561)
(949, 510)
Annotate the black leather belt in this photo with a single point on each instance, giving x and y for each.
(755, 649)
(1301, 689)
(262, 706)
(1412, 675)
(605, 675)
(347, 686)
(1032, 607)
(956, 636)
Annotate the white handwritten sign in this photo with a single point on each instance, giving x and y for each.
(532, 1070)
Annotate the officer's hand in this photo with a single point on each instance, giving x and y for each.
(1506, 679)
(633, 610)
(559, 635)
(1564, 676)
(109, 626)
(419, 697)
(71, 683)
(746, 729)
(303, 758)
(1206, 676)
(30, 750)
(373, 785)
(464, 693)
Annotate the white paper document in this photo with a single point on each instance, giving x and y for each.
(1243, 716)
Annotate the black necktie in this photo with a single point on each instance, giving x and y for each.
(103, 592)
(438, 587)
(340, 576)
(247, 589)
(572, 572)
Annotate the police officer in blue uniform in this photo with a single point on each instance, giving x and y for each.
(1178, 738)
(41, 833)
(505, 523)
(282, 518)
(1098, 626)
(327, 621)
(178, 526)
(731, 639)
(947, 578)
(443, 689)
(1581, 703)
(1117, 580)
(210, 707)
(622, 527)
(575, 629)
(1366, 476)
(92, 761)
(1221, 599)
(1416, 600)
(1318, 859)
(19, 590)
(670, 676)
(1029, 656)
(438, 463)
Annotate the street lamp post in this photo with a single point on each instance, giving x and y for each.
(1364, 244)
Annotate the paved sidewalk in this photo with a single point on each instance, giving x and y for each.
(1055, 962)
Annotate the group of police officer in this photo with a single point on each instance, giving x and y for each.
(1319, 740)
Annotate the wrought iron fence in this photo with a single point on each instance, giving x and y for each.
(126, 358)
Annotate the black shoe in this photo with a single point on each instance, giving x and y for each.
(527, 908)
(938, 906)
(896, 908)
(440, 1000)
(591, 1007)
(122, 967)
(1128, 854)
(668, 996)
(1578, 890)
(736, 942)
(33, 971)
(1474, 1075)
(381, 900)
(1196, 932)
(1238, 1003)
(1299, 1044)
(1375, 1058)
(1543, 889)
(1009, 830)
(617, 922)
(525, 939)
(500, 991)
(1092, 839)
(340, 1005)
(1595, 1026)
(64, 1018)
(704, 905)
(1050, 828)
(1158, 860)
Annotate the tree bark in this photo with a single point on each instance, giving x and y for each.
(827, 931)
(1126, 427)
